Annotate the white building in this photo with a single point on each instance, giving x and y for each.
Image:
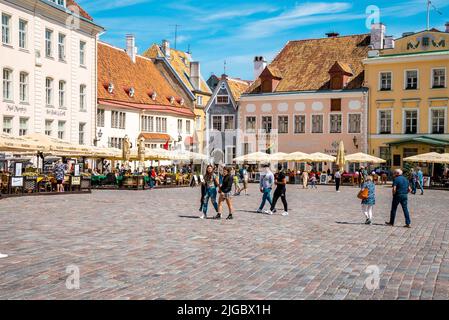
(48, 67)
(136, 100)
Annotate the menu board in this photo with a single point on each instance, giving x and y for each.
(17, 182)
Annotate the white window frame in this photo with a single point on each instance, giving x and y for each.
(82, 52)
(24, 87)
(199, 100)
(311, 123)
(62, 47)
(430, 119)
(221, 122)
(23, 131)
(83, 97)
(62, 94)
(341, 122)
(49, 91)
(82, 133)
(261, 122)
(6, 29)
(391, 124)
(432, 83)
(11, 118)
(288, 123)
(62, 137)
(224, 121)
(23, 34)
(222, 96)
(48, 43)
(51, 127)
(180, 126)
(188, 127)
(8, 84)
(380, 81)
(294, 123)
(348, 120)
(417, 79)
(404, 124)
(246, 124)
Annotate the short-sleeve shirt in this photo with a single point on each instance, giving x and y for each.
(401, 183)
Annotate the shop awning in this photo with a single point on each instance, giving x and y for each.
(423, 139)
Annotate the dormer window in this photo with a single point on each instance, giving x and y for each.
(153, 96)
(59, 2)
(425, 41)
(132, 92)
(111, 88)
(223, 99)
(172, 100)
(182, 102)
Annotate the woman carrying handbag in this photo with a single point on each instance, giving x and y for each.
(368, 196)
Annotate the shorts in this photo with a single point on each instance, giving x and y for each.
(59, 181)
(227, 195)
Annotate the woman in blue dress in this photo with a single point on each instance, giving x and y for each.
(368, 203)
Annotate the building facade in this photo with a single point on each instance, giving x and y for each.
(311, 97)
(409, 97)
(222, 119)
(136, 100)
(48, 66)
(185, 73)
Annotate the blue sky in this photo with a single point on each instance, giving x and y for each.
(236, 31)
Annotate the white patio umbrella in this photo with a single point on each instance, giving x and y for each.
(321, 157)
(363, 158)
(254, 157)
(431, 157)
(297, 157)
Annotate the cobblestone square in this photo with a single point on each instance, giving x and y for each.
(151, 245)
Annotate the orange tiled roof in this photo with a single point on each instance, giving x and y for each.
(180, 61)
(305, 64)
(238, 87)
(115, 66)
(82, 12)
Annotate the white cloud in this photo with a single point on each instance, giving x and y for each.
(237, 13)
(103, 5)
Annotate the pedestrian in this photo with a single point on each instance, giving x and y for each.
(370, 201)
(337, 177)
(313, 181)
(266, 185)
(305, 179)
(225, 191)
(413, 180)
(401, 189)
(420, 180)
(236, 182)
(59, 172)
(244, 175)
(203, 194)
(281, 189)
(211, 184)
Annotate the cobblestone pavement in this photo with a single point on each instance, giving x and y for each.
(150, 245)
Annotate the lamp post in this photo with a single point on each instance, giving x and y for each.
(98, 137)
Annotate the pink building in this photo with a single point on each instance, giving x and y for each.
(311, 97)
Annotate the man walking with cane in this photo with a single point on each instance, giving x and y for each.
(401, 189)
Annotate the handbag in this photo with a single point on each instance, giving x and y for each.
(363, 194)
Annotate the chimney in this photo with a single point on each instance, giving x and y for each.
(259, 65)
(195, 73)
(389, 42)
(332, 34)
(447, 26)
(166, 48)
(131, 49)
(378, 36)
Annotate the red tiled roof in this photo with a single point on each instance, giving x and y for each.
(82, 12)
(156, 136)
(304, 65)
(185, 112)
(116, 67)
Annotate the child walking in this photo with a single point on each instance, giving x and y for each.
(370, 201)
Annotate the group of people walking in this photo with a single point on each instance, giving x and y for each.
(221, 185)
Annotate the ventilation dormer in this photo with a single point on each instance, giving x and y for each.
(172, 100)
(132, 92)
(110, 88)
(153, 95)
(340, 73)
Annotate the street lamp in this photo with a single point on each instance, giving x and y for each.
(98, 137)
(356, 144)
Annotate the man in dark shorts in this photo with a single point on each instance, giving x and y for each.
(401, 189)
(281, 189)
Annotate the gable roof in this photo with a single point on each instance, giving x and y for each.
(116, 67)
(82, 12)
(304, 65)
(237, 87)
(180, 61)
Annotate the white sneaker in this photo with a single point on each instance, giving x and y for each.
(285, 214)
(3, 256)
(269, 212)
(203, 216)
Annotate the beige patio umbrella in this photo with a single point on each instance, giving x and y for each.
(19, 144)
(363, 158)
(321, 157)
(341, 161)
(254, 157)
(297, 157)
(58, 147)
(279, 156)
(431, 157)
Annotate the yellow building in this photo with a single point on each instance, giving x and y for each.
(409, 96)
(180, 67)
